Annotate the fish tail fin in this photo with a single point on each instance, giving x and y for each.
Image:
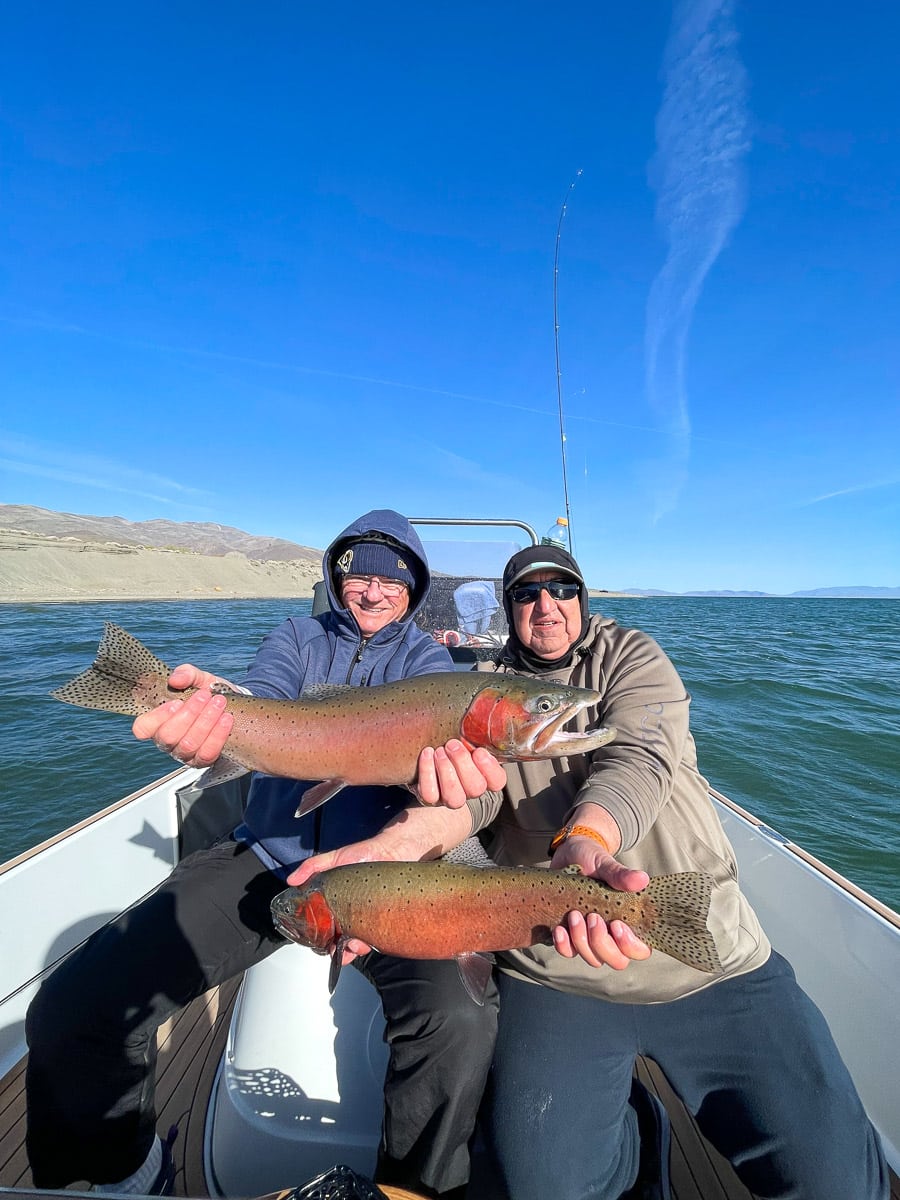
(124, 678)
(676, 921)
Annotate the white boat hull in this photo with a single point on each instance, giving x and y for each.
(845, 950)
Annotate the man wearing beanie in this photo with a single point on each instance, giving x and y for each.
(211, 919)
(377, 557)
(563, 1113)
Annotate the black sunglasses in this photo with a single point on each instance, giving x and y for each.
(528, 593)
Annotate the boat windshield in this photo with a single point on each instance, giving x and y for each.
(464, 611)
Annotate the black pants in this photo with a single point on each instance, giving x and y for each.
(92, 1030)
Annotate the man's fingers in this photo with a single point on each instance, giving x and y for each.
(145, 726)
(309, 867)
(493, 772)
(202, 741)
(184, 676)
(426, 786)
(193, 730)
(628, 941)
(452, 770)
(448, 775)
(592, 939)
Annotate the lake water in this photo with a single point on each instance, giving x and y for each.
(796, 711)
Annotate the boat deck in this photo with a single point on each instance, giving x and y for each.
(189, 1049)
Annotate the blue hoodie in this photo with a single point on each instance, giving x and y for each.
(329, 648)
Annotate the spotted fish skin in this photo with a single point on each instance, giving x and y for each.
(441, 910)
(353, 735)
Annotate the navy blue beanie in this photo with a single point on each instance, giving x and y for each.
(375, 558)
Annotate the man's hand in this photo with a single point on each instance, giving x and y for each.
(589, 937)
(193, 730)
(451, 774)
(371, 849)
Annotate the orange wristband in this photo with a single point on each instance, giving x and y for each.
(572, 830)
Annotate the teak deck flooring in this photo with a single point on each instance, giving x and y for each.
(190, 1046)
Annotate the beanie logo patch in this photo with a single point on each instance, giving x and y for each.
(345, 560)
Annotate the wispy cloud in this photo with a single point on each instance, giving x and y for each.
(701, 132)
(25, 457)
(464, 470)
(62, 327)
(51, 325)
(855, 490)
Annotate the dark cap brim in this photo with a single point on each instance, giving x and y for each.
(544, 566)
(540, 558)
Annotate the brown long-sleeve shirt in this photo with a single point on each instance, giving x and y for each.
(649, 782)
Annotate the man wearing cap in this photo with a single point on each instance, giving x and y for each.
(95, 1018)
(739, 1046)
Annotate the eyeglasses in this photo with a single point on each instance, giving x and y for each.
(528, 593)
(362, 583)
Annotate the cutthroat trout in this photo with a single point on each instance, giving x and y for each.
(352, 735)
(443, 910)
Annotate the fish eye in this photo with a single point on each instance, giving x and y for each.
(544, 704)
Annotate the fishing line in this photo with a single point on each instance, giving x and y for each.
(559, 402)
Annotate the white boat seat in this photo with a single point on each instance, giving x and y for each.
(301, 1083)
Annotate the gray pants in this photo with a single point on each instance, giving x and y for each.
(92, 1030)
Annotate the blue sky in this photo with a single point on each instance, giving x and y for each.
(272, 265)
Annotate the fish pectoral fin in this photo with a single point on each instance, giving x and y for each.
(318, 794)
(475, 972)
(337, 960)
(223, 769)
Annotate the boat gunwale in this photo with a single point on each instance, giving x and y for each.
(86, 822)
(877, 907)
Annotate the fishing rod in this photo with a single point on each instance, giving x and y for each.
(559, 402)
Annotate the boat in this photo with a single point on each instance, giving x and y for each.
(272, 1080)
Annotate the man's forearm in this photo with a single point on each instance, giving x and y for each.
(425, 832)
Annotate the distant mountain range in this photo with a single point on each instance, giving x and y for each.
(199, 537)
(210, 539)
(837, 593)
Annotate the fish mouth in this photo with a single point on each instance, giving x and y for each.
(562, 742)
(284, 914)
(551, 738)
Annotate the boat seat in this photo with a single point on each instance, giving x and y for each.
(320, 599)
(301, 1083)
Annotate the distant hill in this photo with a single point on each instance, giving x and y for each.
(208, 539)
(835, 593)
(199, 537)
(855, 593)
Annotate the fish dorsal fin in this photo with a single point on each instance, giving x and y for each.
(470, 853)
(475, 972)
(221, 688)
(326, 691)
